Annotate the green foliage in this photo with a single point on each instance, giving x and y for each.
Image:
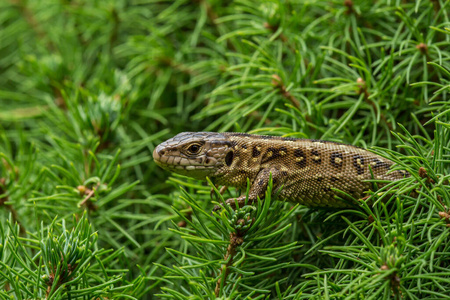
(252, 237)
(89, 88)
(52, 265)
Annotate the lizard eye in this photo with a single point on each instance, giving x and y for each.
(194, 149)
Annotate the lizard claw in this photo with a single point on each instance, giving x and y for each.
(221, 191)
(217, 207)
(211, 192)
(229, 202)
(234, 203)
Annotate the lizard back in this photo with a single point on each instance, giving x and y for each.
(309, 169)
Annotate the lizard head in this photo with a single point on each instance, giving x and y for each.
(194, 154)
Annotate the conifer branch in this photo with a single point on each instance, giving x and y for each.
(235, 241)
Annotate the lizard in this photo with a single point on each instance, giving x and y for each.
(305, 171)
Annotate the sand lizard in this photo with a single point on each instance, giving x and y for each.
(305, 170)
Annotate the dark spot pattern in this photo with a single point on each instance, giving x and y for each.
(316, 156)
(403, 173)
(298, 153)
(333, 178)
(261, 182)
(319, 179)
(207, 161)
(284, 173)
(229, 158)
(244, 146)
(273, 153)
(255, 152)
(337, 159)
(326, 189)
(380, 164)
(358, 163)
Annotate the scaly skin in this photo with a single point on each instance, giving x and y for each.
(305, 170)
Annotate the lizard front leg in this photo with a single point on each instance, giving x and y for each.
(258, 188)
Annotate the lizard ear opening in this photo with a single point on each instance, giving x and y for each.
(229, 158)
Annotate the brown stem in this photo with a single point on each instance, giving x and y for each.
(363, 90)
(167, 61)
(115, 30)
(31, 20)
(446, 216)
(212, 16)
(14, 214)
(89, 193)
(277, 83)
(69, 277)
(282, 37)
(235, 241)
(349, 5)
(15, 217)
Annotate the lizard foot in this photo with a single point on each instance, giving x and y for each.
(221, 191)
(232, 202)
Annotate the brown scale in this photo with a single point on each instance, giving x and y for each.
(306, 171)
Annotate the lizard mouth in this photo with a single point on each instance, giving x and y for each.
(172, 162)
(189, 167)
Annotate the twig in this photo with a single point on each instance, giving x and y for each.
(282, 37)
(278, 83)
(33, 23)
(14, 214)
(235, 241)
(89, 193)
(363, 90)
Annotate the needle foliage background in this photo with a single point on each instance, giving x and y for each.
(88, 88)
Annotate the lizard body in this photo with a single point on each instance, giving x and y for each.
(305, 170)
